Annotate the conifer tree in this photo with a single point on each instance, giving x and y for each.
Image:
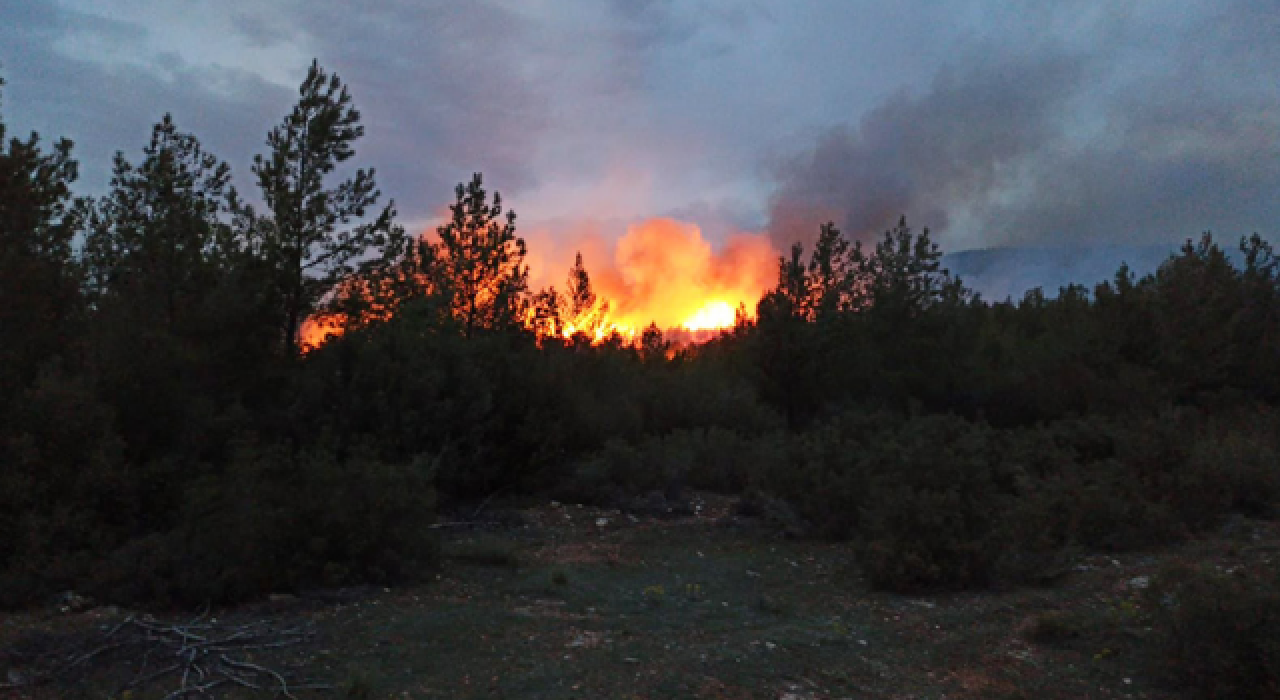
(39, 278)
(832, 273)
(482, 261)
(311, 237)
(585, 308)
(153, 242)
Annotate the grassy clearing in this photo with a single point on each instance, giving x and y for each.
(593, 604)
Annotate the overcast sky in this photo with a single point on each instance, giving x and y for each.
(1132, 122)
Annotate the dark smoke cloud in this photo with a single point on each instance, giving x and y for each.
(920, 155)
(1063, 147)
(1040, 124)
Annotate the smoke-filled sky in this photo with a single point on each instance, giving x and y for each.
(993, 123)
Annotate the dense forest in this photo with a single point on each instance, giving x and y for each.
(167, 438)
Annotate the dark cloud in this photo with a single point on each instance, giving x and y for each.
(923, 154)
(106, 107)
(440, 84)
(1147, 137)
(1058, 123)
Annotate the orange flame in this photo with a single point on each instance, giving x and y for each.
(316, 330)
(663, 271)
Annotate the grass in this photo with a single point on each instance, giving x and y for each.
(707, 607)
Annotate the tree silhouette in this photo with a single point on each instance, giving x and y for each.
(311, 239)
(39, 278)
(154, 239)
(481, 260)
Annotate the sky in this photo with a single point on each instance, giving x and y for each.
(1065, 122)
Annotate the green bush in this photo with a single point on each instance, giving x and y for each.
(279, 521)
(939, 489)
(823, 473)
(714, 459)
(1241, 471)
(1223, 635)
(66, 494)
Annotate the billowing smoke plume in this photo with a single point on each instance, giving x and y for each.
(1053, 148)
(926, 156)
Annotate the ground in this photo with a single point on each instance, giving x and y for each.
(574, 602)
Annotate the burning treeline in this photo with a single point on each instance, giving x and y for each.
(662, 276)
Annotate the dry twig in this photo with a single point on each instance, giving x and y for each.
(198, 655)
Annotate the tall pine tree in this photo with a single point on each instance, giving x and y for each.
(39, 278)
(311, 238)
(482, 261)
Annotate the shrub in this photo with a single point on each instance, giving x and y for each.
(1223, 636)
(66, 494)
(278, 521)
(1114, 512)
(823, 473)
(1241, 470)
(714, 459)
(939, 490)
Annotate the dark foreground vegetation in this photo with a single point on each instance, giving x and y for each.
(164, 439)
(562, 601)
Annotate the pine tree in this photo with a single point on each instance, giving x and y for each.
(653, 344)
(832, 273)
(154, 239)
(482, 262)
(904, 275)
(585, 308)
(39, 278)
(311, 239)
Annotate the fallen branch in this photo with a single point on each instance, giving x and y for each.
(196, 656)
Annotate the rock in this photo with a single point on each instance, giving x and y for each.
(70, 601)
(1140, 582)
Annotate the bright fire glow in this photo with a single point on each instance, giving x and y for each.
(716, 314)
(315, 331)
(661, 271)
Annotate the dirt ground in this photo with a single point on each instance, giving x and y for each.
(563, 601)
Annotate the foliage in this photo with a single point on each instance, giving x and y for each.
(40, 304)
(1223, 635)
(281, 521)
(938, 488)
(484, 276)
(310, 239)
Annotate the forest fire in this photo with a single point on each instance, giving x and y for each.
(663, 272)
